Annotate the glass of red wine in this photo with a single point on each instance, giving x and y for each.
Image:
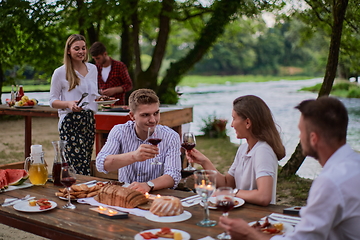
(188, 143)
(224, 202)
(68, 178)
(154, 138)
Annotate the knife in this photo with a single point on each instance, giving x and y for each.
(15, 201)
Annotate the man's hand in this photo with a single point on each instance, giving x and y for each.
(239, 229)
(112, 91)
(145, 151)
(141, 187)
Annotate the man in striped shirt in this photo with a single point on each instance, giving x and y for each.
(128, 151)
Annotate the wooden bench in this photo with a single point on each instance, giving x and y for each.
(15, 165)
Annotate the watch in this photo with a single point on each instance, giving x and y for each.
(151, 185)
(235, 191)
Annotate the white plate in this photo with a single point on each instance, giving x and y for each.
(185, 235)
(287, 227)
(179, 218)
(24, 185)
(107, 102)
(213, 200)
(25, 207)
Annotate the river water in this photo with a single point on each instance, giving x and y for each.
(281, 97)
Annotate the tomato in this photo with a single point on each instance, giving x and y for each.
(165, 230)
(148, 235)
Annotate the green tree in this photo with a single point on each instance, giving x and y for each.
(335, 17)
(28, 36)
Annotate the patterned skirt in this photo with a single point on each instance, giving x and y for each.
(78, 129)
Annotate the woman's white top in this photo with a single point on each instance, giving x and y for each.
(59, 89)
(259, 162)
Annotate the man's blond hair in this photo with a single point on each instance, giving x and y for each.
(142, 96)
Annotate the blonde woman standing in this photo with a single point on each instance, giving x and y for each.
(76, 122)
(253, 173)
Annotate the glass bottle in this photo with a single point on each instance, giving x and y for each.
(20, 93)
(36, 166)
(59, 161)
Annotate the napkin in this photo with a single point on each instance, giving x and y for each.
(191, 203)
(283, 218)
(93, 202)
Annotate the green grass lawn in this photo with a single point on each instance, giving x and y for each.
(191, 81)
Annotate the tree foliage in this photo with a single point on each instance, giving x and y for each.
(335, 17)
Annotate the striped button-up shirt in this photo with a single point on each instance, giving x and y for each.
(122, 139)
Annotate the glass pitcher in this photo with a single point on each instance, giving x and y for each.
(59, 161)
(36, 166)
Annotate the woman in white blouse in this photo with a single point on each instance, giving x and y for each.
(253, 173)
(76, 122)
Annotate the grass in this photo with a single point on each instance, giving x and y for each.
(190, 80)
(195, 80)
(341, 88)
(221, 152)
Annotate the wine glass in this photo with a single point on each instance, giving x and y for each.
(188, 142)
(68, 178)
(224, 202)
(154, 138)
(205, 185)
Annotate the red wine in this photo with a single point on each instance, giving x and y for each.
(154, 141)
(68, 181)
(56, 171)
(188, 146)
(225, 205)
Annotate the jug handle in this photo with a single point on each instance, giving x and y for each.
(27, 163)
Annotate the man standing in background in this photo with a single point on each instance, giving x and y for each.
(113, 76)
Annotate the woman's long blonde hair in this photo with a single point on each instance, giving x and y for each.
(71, 76)
(262, 123)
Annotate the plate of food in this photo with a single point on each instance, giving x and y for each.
(272, 227)
(163, 234)
(104, 100)
(80, 191)
(40, 205)
(212, 202)
(179, 218)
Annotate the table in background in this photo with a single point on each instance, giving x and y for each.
(82, 223)
(172, 116)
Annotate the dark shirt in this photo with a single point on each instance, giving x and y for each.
(118, 76)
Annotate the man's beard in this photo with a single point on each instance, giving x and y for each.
(309, 151)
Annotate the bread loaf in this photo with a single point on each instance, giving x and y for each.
(115, 195)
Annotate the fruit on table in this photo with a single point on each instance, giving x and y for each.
(17, 176)
(25, 101)
(12, 177)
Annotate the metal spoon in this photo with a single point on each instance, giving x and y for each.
(82, 97)
(84, 104)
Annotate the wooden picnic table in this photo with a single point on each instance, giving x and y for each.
(171, 115)
(82, 223)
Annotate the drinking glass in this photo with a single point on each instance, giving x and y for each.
(224, 202)
(188, 142)
(154, 138)
(68, 178)
(205, 185)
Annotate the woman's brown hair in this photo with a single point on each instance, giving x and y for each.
(262, 123)
(71, 76)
